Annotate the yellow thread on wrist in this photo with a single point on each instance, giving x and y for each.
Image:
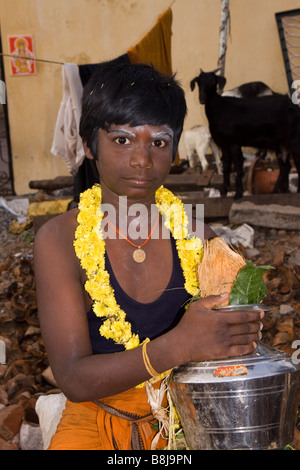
(146, 359)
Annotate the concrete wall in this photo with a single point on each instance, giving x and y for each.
(89, 31)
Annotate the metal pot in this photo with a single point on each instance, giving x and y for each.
(252, 411)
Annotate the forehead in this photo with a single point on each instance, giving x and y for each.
(141, 129)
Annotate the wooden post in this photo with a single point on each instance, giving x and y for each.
(223, 37)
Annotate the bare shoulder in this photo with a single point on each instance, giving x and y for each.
(60, 228)
(54, 240)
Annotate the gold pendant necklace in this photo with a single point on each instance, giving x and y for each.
(138, 255)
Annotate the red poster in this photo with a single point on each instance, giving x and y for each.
(21, 49)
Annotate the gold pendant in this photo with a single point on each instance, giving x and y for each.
(139, 255)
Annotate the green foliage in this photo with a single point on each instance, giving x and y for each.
(249, 287)
(28, 237)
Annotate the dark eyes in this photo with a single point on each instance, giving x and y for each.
(125, 141)
(159, 143)
(122, 140)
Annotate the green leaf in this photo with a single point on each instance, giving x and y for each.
(155, 426)
(249, 287)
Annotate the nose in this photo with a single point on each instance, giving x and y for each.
(141, 157)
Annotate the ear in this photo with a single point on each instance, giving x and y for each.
(192, 84)
(221, 81)
(87, 151)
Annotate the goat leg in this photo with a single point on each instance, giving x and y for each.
(282, 183)
(216, 154)
(226, 163)
(238, 164)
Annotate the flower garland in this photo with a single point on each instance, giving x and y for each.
(90, 249)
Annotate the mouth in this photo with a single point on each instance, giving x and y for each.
(138, 180)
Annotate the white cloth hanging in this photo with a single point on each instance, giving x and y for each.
(67, 143)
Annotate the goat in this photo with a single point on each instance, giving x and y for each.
(265, 122)
(197, 140)
(248, 90)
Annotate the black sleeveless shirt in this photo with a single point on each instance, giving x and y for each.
(148, 320)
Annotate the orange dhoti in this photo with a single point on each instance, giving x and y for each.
(121, 422)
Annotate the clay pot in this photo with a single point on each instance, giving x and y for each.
(262, 177)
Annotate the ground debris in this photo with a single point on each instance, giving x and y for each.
(280, 249)
(26, 374)
(22, 376)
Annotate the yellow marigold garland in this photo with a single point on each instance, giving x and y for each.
(90, 249)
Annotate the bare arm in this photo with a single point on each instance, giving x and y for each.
(62, 305)
(62, 312)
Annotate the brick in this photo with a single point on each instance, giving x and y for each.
(3, 396)
(10, 421)
(4, 445)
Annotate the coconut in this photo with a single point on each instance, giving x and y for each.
(219, 268)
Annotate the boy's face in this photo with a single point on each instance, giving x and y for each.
(134, 161)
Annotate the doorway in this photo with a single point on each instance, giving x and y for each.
(6, 168)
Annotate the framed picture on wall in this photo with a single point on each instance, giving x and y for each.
(21, 49)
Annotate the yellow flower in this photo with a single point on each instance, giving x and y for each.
(90, 249)
(100, 309)
(133, 342)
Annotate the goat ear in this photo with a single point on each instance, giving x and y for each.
(221, 81)
(192, 84)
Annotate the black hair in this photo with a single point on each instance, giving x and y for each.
(133, 94)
